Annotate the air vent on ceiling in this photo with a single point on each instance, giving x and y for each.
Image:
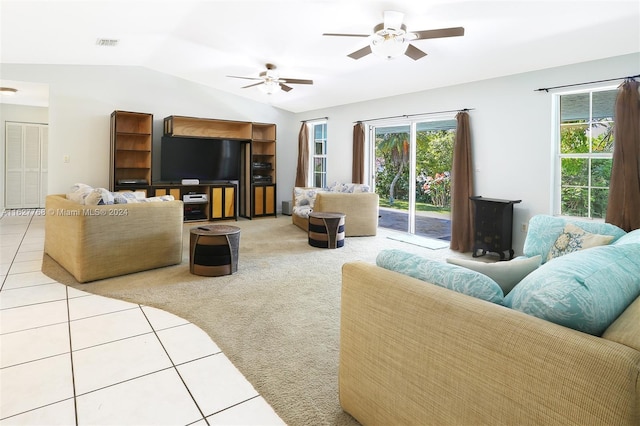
(107, 42)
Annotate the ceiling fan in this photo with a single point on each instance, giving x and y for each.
(391, 38)
(271, 81)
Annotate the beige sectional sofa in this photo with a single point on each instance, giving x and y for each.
(99, 241)
(412, 352)
(360, 209)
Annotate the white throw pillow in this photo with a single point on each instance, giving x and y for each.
(78, 192)
(506, 274)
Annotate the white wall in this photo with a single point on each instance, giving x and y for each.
(82, 98)
(510, 129)
(510, 122)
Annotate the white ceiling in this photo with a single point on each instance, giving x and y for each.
(205, 40)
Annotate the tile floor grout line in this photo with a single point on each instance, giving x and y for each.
(175, 368)
(123, 381)
(110, 341)
(15, 254)
(73, 373)
(102, 314)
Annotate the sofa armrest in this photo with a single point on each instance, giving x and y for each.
(415, 353)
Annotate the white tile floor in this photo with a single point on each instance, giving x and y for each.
(68, 357)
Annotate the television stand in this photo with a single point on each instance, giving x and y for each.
(203, 202)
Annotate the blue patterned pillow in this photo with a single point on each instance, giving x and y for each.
(585, 290)
(544, 230)
(574, 238)
(442, 274)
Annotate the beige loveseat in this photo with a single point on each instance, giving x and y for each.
(360, 209)
(412, 352)
(99, 241)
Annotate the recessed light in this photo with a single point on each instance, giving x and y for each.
(8, 91)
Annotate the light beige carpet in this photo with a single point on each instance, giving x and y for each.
(277, 318)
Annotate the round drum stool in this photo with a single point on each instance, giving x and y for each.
(326, 230)
(214, 250)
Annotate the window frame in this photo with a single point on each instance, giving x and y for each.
(312, 173)
(558, 156)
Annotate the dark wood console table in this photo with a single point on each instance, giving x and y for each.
(493, 226)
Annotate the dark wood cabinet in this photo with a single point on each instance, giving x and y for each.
(493, 223)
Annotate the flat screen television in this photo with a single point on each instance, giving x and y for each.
(209, 160)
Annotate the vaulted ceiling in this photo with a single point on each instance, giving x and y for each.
(205, 41)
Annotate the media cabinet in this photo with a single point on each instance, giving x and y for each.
(253, 195)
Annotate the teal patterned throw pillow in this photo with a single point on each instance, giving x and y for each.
(585, 290)
(453, 277)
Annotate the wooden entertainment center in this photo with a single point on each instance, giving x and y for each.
(253, 195)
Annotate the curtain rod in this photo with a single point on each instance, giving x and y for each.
(314, 119)
(413, 115)
(546, 89)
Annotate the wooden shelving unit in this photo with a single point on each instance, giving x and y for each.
(206, 128)
(131, 146)
(263, 170)
(257, 190)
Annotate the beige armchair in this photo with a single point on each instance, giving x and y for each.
(360, 209)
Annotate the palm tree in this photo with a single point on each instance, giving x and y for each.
(397, 144)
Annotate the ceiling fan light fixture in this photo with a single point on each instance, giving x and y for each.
(269, 87)
(389, 44)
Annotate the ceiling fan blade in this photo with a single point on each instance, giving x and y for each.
(414, 53)
(345, 35)
(296, 81)
(440, 33)
(254, 84)
(285, 87)
(360, 53)
(244, 78)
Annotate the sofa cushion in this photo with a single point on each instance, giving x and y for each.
(574, 238)
(506, 274)
(442, 274)
(544, 231)
(632, 237)
(585, 290)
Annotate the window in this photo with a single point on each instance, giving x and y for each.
(318, 154)
(585, 152)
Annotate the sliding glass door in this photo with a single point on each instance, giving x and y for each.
(412, 165)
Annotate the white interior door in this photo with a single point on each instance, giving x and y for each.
(26, 165)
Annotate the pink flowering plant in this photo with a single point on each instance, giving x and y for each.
(438, 189)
